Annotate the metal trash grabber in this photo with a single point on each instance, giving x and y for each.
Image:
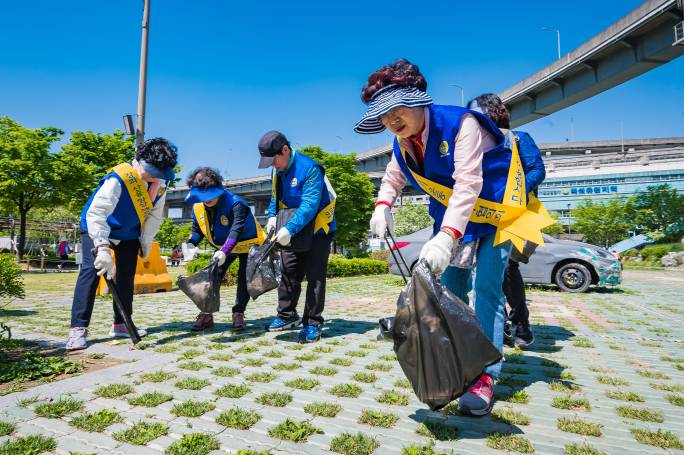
(394, 248)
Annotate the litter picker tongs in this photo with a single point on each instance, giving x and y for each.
(393, 247)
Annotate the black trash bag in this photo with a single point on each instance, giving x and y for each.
(438, 340)
(263, 269)
(386, 327)
(203, 287)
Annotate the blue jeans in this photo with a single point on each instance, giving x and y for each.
(488, 298)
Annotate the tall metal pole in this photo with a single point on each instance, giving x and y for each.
(559, 54)
(142, 82)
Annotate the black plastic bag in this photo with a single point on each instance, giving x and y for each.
(203, 287)
(438, 340)
(263, 268)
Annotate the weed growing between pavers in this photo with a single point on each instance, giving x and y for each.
(307, 357)
(610, 380)
(252, 452)
(668, 387)
(677, 400)
(26, 402)
(233, 391)
(354, 444)
(221, 357)
(341, 362)
(658, 438)
(192, 408)
(378, 418)
(167, 349)
(302, 383)
(651, 344)
(514, 370)
(150, 399)
(510, 442)
(264, 377)
(517, 359)
(403, 384)
(323, 371)
(323, 409)
(274, 354)
(295, 347)
(265, 343)
(438, 431)
(393, 397)
(241, 419)
(193, 444)
(567, 387)
(226, 372)
(157, 376)
(510, 416)
(293, 430)
(141, 433)
(582, 342)
(58, 408)
(624, 396)
(378, 366)
(510, 381)
(192, 383)
(568, 402)
(253, 362)
(367, 378)
(579, 426)
(191, 354)
(29, 445)
(113, 390)
(632, 412)
(346, 390)
(415, 449)
(584, 449)
(6, 428)
(323, 349)
(276, 399)
(286, 366)
(356, 353)
(597, 369)
(519, 397)
(96, 421)
(193, 365)
(652, 374)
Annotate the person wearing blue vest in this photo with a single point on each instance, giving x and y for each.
(122, 214)
(459, 158)
(227, 222)
(299, 184)
(518, 332)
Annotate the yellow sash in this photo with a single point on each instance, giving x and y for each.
(240, 247)
(324, 216)
(514, 221)
(136, 189)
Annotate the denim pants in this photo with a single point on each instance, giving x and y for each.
(488, 296)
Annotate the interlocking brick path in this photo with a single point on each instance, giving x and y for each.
(631, 336)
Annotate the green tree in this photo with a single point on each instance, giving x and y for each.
(354, 194)
(410, 218)
(85, 159)
(27, 174)
(601, 223)
(168, 234)
(556, 228)
(183, 233)
(659, 209)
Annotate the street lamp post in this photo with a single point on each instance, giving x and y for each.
(142, 82)
(551, 29)
(462, 96)
(569, 221)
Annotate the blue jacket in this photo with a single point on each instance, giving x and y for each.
(532, 162)
(223, 221)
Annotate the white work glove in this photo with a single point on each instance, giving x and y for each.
(103, 263)
(381, 220)
(437, 252)
(189, 252)
(219, 257)
(270, 224)
(145, 249)
(283, 236)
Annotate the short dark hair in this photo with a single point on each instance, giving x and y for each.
(205, 177)
(494, 108)
(401, 72)
(158, 152)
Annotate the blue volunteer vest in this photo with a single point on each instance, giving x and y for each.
(223, 220)
(438, 163)
(124, 222)
(289, 186)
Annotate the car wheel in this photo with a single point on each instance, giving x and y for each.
(573, 277)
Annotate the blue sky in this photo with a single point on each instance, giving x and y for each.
(222, 73)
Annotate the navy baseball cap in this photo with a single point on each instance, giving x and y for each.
(270, 145)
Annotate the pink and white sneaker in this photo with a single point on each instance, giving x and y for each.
(120, 331)
(477, 401)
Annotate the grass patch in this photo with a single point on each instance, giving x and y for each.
(510, 381)
(226, 372)
(579, 426)
(157, 376)
(515, 370)
(274, 354)
(293, 430)
(632, 412)
(323, 409)
(624, 396)
(368, 346)
(29, 445)
(221, 357)
(192, 383)
(379, 366)
(517, 359)
(191, 354)
(346, 390)
(388, 357)
(354, 444)
(368, 378)
(611, 380)
(233, 391)
(668, 387)
(246, 349)
(262, 377)
(240, 419)
(58, 408)
(192, 408)
(302, 383)
(510, 443)
(193, 365)
(356, 353)
(286, 366)
(584, 449)
(141, 433)
(96, 421)
(565, 387)
(510, 416)
(167, 349)
(403, 383)
(378, 418)
(339, 361)
(6, 428)
(193, 444)
(26, 402)
(393, 397)
(113, 390)
(307, 357)
(265, 343)
(582, 342)
(677, 400)
(323, 371)
(438, 430)
(415, 449)
(253, 362)
(568, 402)
(276, 399)
(323, 349)
(519, 397)
(150, 399)
(652, 374)
(659, 438)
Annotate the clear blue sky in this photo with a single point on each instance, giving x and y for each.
(222, 73)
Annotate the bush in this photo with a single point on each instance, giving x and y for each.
(11, 283)
(380, 255)
(352, 267)
(654, 252)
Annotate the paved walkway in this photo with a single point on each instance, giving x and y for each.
(594, 353)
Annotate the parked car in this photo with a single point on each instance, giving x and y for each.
(572, 266)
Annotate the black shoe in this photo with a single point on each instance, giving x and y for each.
(523, 336)
(508, 336)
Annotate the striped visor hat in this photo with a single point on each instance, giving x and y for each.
(384, 101)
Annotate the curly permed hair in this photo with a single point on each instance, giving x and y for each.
(158, 152)
(401, 72)
(494, 108)
(205, 177)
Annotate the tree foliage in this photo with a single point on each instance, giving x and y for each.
(601, 223)
(11, 282)
(658, 210)
(354, 194)
(556, 228)
(410, 218)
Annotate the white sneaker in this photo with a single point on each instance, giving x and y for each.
(77, 339)
(120, 331)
